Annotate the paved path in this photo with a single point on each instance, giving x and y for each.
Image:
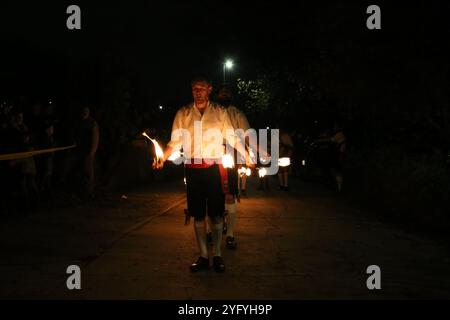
(305, 244)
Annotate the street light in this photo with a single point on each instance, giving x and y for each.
(227, 65)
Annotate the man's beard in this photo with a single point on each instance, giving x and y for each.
(200, 100)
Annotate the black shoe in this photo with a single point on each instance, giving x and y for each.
(200, 264)
(219, 266)
(244, 193)
(231, 243)
(286, 188)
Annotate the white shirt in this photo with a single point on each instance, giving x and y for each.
(189, 124)
(240, 122)
(238, 118)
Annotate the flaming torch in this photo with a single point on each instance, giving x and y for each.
(244, 171)
(227, 161)
(284, 162)
(262, 181)
(262, 172)
(158, 151)
(241, 171)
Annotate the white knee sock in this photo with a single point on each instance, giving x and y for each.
(231, 218)
(217, 238)
(200, 234)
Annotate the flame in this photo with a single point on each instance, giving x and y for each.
(244, 171)
(158, 151)
(262, 172)
(227, 161)
(284, 162)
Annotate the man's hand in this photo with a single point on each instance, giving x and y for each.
(250, 164)
(158, 164)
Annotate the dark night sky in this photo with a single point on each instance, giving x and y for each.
(163, 43)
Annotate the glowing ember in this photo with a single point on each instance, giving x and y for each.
(284, 162)
(262, 172)
(227, 161)
(158, 151)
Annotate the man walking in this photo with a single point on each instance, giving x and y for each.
(195, 129)
(239, 122)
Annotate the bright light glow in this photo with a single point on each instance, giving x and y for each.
(264, 160)
(262, 172)
(284, 162)
(160, 107)
(158, 151)
(184, 180)
(174, 156)
(229, 64)
(303, 163)
(244, 171)
(227, 161)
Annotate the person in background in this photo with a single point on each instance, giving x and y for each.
(239, 121)
(340, 147)
(286, 151)
(87, 140)
(22, 140)
(82, 158)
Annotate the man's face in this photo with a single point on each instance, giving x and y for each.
(201, 91)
